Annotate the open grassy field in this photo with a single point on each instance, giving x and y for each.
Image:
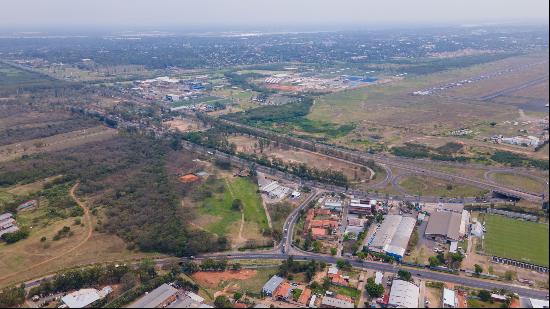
(435, 187)
(517, 239)
(222, 220)
(12, 78)
(56, 142)
(32, 257)
(389, 110)
(519, 181)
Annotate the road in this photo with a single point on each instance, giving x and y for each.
(420, 273)
(407, 165)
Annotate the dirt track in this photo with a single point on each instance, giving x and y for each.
(87, 222)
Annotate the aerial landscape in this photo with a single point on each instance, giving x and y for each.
(327, 154)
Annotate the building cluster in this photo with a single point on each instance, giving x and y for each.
(166, 296)
(279, 289)
(525, 141)
(170, 89)
(392, 236)
(7, 224)
(275, 190)
(297, 82)
(322, 223)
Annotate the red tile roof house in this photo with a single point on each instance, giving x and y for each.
(304, 297)
(336, 279)
(283, 291)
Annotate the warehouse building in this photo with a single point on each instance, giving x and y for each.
(393, 236)
(160, 297)
(403, 294)
(271, 286)
(447, 226)
(362, 207)
(449, 298)
(85, 297)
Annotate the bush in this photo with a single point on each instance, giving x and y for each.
(11, 238)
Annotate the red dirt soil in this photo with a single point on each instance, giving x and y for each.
(213, 279)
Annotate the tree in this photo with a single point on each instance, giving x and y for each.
(222, 302)
(374, 290)
(237, 295)
(236, 267)
(509, 275)
(189, 267)
(484, 295)
(316, 246)
(13, 296)
(333, 251)
(343, 265)
(478, 269)
(404, 275)
(237, 205)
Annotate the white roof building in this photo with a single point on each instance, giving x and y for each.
(378, 276)
(537, 303)
(84, 297)
(449, 298)
(404, 294)
(393, 235)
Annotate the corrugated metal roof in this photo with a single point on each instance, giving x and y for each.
(444, 223)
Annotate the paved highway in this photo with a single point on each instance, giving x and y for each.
(407, 165)
(424, 274)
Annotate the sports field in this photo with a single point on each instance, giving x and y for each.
(517, 239)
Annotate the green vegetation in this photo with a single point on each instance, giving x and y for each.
(424, 185)
(127, 176)
(12, 296)
(346, 290)
(11, 238)
(517, 239)
(221, 205)
(289, 118)
(374, 290)
(14, 78)
(519, 181)
(514, 159)
(447, 152)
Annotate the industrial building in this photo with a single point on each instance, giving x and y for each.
(85, 297)
(7, 224)
(403, 294)
(362, 207)
(449, 298)
(447, 226)
(272, 285)
(393, 236)
(534, 303)
(160, 297)
(275, 190)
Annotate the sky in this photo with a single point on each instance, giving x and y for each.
(40, 14)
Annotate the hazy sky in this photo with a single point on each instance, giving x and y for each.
(199, 13)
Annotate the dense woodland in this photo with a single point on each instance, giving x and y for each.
(131, 193)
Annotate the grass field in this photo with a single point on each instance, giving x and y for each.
(516, 239)
(518, 181)
(12, 77)
(219, 207)
(435, 187)
(17, 261)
